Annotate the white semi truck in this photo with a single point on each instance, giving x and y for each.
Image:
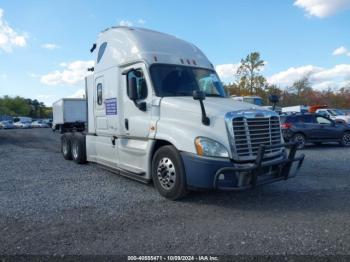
(69, 114)
(157, 111)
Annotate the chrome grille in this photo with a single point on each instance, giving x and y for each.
(250, 133)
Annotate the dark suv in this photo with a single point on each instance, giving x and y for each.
(303, 128)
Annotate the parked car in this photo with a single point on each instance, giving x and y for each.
(48, 122)
(346, 112)
(23, 125)
(308, 127)
(6, 125)
(39, 123)
(334, 114)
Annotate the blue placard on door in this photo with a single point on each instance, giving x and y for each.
(111, 106)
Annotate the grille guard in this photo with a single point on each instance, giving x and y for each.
(248, 115)
(256, 168)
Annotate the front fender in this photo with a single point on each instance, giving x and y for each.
(182, 133)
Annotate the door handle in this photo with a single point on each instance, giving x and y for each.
(126, 123)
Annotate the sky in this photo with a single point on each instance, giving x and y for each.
(44, 45)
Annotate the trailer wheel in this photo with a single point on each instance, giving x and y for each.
(79, 148)
(66, 146)
(168, 173)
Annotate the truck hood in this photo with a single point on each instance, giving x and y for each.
(214, 106)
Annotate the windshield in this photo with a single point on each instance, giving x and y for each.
(174, 80)
(335, 112)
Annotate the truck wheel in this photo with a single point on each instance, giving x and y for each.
(300, 140)
(79, 148)
(66, 146)
(345, 140)
(168, 173)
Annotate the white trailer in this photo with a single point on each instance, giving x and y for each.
(157, 111)
(255, 100)
(69, 114)
(295, 109)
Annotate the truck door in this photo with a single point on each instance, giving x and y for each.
(136, 119)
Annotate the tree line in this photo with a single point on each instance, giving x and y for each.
(19, 106)
(250, 81)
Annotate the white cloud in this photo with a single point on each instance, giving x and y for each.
(72, 74)
(292, 74)
(141, 21)
(320, 78)
(227, 72)
(50, 46)
(9, 38)
(337, 72)
(125, 23)
(322, 8)
(341, 51)
(78, 94)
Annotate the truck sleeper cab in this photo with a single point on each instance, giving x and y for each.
(157, 111)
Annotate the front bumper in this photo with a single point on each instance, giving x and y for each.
(223, 174)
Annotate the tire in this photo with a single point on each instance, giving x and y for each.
(168, 173)
(66, 146)
(345, 140)
(79, 148)
(300, 140)
(61, 129)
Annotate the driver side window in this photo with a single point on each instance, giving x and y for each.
(140, 83)
(324, 113)
(323, 120)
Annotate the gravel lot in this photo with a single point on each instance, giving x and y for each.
(52, 206)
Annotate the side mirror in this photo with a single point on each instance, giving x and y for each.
(132, 89)
(274, 99)
(198, 95)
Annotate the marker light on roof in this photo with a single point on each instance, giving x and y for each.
(182, 61)
(155, 59)
(194, 62)
(188, 61)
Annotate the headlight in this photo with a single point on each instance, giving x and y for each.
(208, 147)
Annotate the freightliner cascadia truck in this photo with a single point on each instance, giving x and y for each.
(158, 112)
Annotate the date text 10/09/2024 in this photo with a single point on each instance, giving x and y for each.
(173, 258)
